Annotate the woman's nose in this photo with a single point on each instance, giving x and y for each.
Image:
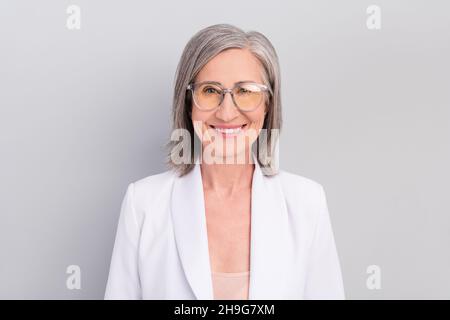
(227, 111)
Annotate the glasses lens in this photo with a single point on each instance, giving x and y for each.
(248, 96)
(207, 96)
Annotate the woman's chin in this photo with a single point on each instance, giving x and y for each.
(231, 157)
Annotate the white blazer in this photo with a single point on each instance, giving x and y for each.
(161, 245)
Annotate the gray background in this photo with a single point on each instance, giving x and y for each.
(85, 112)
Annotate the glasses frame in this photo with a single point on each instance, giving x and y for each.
(224, 91)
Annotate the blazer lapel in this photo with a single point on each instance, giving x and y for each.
(270, 253)
(269, 244)
(189, 221)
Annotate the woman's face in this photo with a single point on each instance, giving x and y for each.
(228, 67)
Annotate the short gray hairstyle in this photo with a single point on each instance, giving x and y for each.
(200, 49)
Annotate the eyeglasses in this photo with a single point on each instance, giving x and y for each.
(209, 95)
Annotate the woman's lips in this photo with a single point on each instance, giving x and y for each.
(228, 131)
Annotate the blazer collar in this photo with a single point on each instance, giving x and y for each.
(270, 255)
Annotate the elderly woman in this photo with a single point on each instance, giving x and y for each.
(223, 222)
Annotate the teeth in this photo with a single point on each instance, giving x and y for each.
(229, 131)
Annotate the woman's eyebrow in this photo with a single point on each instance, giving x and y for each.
(246, 81)
(221, 84)
(212, 82)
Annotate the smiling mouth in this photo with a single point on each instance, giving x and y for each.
(228, 131)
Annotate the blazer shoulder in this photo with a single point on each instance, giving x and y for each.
(295, 181)
(152, 188)
(300, 190)
(154, 181)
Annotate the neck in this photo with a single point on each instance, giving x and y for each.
(227, 178)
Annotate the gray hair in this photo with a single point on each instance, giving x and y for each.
(200, 49)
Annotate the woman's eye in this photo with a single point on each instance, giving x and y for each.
(243, 90)
(210, 90)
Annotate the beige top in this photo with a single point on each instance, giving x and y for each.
(230, 285)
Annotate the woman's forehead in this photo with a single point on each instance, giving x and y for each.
(231, 66)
